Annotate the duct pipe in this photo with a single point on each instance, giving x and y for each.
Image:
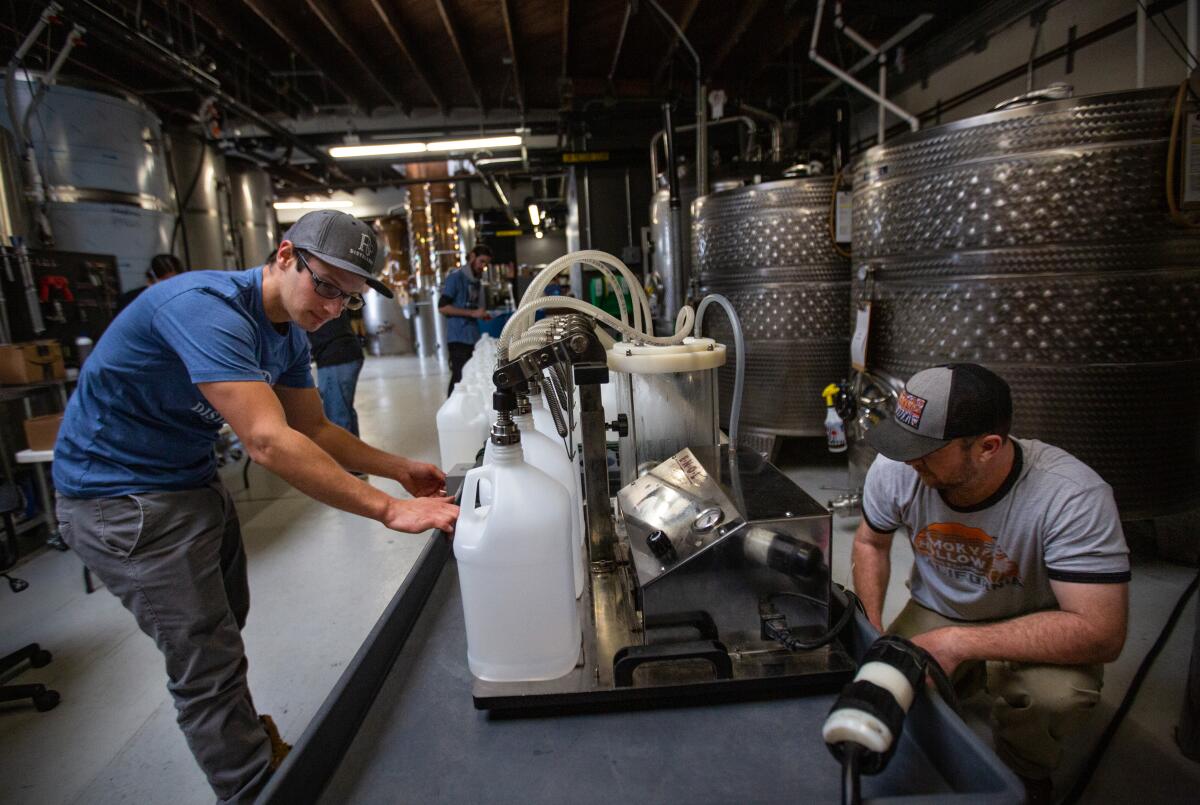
(912, 121)
(701, 138)
(775, 125)
(676, 212)
(751, 130)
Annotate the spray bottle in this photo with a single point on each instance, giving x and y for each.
(835, 431)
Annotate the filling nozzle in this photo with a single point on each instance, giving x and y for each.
(505, 431)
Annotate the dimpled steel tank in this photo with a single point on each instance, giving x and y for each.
(768, 248)
(1037, 241)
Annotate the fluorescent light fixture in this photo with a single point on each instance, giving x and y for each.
(509, 141)
(378, 150)
(534, 214)
(496, 160)
(324, 204)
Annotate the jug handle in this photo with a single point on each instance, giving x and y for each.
(469, 501)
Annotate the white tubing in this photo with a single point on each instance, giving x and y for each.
(735, 409)
(683, 324)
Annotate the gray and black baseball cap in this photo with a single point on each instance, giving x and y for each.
(341, 240)
(941, 404)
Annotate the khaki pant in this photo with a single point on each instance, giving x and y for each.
(1034, 707)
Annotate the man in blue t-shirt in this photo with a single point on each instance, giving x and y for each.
(138, 495)
(463, 306)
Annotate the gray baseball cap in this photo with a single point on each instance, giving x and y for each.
(341, 240)
(941, 404)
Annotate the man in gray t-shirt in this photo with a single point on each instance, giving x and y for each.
(1020, 575)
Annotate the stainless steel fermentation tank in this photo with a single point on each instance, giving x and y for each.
(768, 248)
(104, 170)
(251, 204)
(1037, 241)
(202, 183)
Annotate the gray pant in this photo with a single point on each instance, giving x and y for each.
(175, 559)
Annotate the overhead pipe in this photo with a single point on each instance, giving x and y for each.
(888, 44)
(701, 104)
(100, 19)
(620, 40)
(675, 211)
(1141, 45)
(745, 120)
(775, 126)
(912, 121)
(491, 183)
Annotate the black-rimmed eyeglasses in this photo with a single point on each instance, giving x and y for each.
(327, 290)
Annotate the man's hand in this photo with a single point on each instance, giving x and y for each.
(422, 480)
(419, 514)
(942, 645)
(480, 313)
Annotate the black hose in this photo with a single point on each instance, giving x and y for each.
(183, 201)
(1093, 761)
(775, 625)
(851, 789)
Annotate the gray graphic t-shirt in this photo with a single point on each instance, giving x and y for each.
(1053, 518)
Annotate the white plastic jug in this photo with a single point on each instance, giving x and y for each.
(514, 566)
(550, 457)
(462, 428)
(543, 420)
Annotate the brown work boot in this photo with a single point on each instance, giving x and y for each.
(279, 747)
(1038, 791)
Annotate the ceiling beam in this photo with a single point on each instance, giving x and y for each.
(223, 24)
(340, 31)
(396, 30)
(281, 25)
(796, 24)
(684, 20)
(749, 10)
(456, 43)
(566, 36)
(506, 12)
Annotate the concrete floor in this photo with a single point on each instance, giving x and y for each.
(319, 580)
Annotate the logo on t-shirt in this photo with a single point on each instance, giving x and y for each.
(909, 408)
(209, 414)
(967, 554)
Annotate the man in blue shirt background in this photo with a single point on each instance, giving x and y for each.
(463, 305)
(138, 495)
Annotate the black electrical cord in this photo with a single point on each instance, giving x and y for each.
(1093, 761)
(851, 781)
(775, 624)
(183, 201)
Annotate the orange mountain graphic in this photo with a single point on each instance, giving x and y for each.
(963, 549)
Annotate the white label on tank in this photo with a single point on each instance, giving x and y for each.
(1191, 161)
(843, 217)
(858, 343)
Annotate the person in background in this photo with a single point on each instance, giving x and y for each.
(162, 267)
(463, 305)
(338, 354)
(1020, 577)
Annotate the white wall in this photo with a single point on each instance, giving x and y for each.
(1106, 66)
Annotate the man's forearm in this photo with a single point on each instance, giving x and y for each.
(355, 454)
(872, 568)
(298, 460)
(1061, 638)
(461, 312)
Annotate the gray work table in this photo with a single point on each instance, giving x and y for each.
(400, 726)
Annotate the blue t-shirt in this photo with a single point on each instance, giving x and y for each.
(137, 422)
(463, 289)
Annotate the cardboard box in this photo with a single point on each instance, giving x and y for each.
(42, 431)
(31, 362)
